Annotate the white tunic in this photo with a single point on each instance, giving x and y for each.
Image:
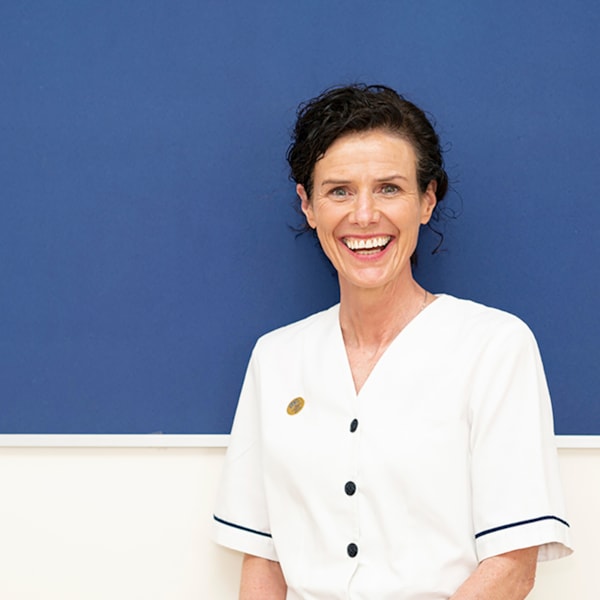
(444, 458)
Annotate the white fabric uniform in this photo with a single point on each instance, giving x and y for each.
(444, 458)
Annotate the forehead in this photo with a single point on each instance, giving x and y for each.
(368, 151)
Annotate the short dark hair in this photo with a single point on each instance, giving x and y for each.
(357, 108)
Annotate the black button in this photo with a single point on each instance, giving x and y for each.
(350, 488)
(352, 550)
(354, 425)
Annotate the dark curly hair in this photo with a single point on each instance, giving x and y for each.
(357, 108)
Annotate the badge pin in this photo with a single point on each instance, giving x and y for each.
(295, 406)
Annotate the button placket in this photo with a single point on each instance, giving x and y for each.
(350, 487)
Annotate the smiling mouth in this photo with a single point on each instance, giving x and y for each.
(369, 245)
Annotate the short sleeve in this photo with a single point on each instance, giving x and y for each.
(516, 490)
(241, 519)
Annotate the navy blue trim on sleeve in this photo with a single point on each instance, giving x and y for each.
(241, 527)
(501, 527)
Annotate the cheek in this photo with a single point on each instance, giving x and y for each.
(328, 243)
(320, 216)
(324, 239)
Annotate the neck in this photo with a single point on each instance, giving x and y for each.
(374, 317)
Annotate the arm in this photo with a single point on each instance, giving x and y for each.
(507, 576)
(262, 579)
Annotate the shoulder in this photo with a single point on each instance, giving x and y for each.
(470, 319)
(468, 312)
(293, 335)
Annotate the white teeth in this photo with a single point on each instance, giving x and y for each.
(367, 244)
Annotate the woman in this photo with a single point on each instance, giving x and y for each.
(398, 445)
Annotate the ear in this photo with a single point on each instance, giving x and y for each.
(428, 202)
(306, 205)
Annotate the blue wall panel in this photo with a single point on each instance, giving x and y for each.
(145, 206)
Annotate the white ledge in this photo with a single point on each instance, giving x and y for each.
(152, 440)
(578, 441)
(184, 441)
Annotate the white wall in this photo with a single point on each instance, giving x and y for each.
(112, 524)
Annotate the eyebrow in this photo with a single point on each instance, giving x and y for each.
(392, 177)
(379, 180)
(335, 182)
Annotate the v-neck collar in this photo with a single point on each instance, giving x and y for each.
(404, 336)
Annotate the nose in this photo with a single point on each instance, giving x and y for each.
(365, 210)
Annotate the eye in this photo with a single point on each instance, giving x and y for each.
(339, 193)
(389, 188)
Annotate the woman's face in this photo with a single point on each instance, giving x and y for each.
(367, 208)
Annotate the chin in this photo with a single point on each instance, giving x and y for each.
(366, 283)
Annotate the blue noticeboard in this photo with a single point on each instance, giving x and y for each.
(145, 208)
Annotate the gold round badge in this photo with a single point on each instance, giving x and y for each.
(295, 406)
